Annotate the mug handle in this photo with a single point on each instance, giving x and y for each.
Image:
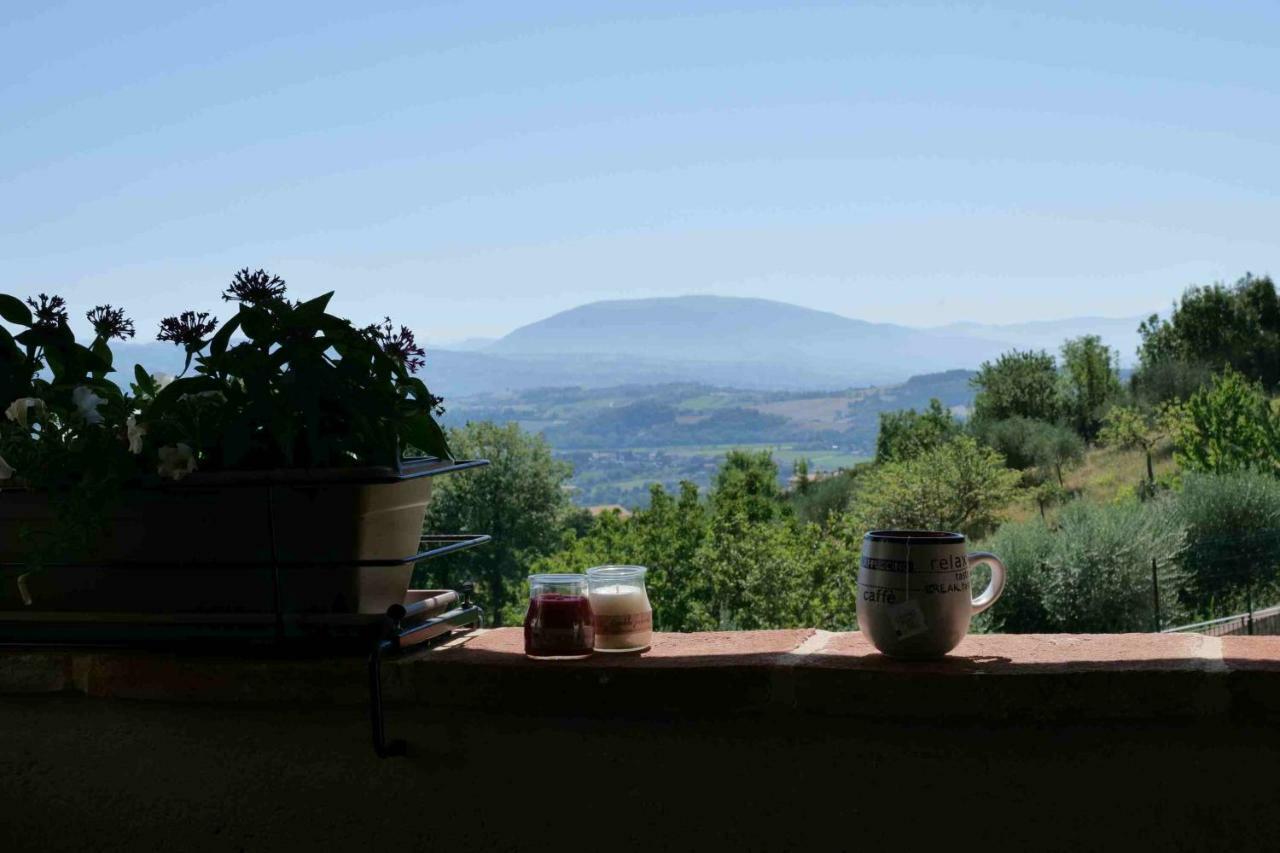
(992, 593)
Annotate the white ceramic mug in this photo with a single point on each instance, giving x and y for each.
(914, 598)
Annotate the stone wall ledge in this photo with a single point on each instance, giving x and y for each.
(989, 677)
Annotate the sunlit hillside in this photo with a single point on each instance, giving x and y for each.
(1106, 475)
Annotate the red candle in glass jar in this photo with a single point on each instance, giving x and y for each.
(559, 622)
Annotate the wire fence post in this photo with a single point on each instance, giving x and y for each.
(1155, 594)
(1249, 597)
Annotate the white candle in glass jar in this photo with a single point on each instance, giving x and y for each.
(623, 617)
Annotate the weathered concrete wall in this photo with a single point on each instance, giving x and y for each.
(736, 743)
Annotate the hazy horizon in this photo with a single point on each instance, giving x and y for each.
(1135, 318)
(470, 169)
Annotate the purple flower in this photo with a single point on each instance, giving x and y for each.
(254, 288)
(399, 345)
(110, 322)
(50, 311)
(187, 329)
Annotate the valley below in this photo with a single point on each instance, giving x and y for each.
(623, 438)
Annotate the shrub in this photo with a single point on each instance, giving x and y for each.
(1098, 575)
(826, 498)
(1014, 438)
(908, 433)
(1026, 549)
(1026, 443)
(1169, 381)
(1018, 384)
(781, 574)
(958, 486)
(1232, 523)
(1092, 572)
(1227, 427)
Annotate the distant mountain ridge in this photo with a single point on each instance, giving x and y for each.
(711, 326)
(740, 343)
(757, 338)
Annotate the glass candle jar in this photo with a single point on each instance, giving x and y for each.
(620, 603)
(559, 623)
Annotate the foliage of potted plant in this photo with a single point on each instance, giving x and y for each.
(281, 448)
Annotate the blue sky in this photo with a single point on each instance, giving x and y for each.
(471, 167)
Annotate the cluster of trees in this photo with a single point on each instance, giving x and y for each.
(1202, 538)
(737, 557)
(1032, 419)
(1201, 390)
(1211, 329)
(1205, 381)
(1040, 416)
(747, 554)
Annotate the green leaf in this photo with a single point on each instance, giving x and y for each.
(256, 324)
(312, 310)
(106, 389)
(336, 326)
(145, 383)
(8, 346)
(178, 387)
(12, 309)
(41, 337)
(191, 385)
(82, 361)
(280, 357)
(420, 390)
(219, 344)
(103, 352)
(57, 362)
(423, 433)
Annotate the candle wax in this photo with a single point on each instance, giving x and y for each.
(558, 626)
(623, 617)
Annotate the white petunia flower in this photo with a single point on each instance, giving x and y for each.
(19, 410)
(87, 403)
(176, 462)
(6, 470)
(136, 433)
